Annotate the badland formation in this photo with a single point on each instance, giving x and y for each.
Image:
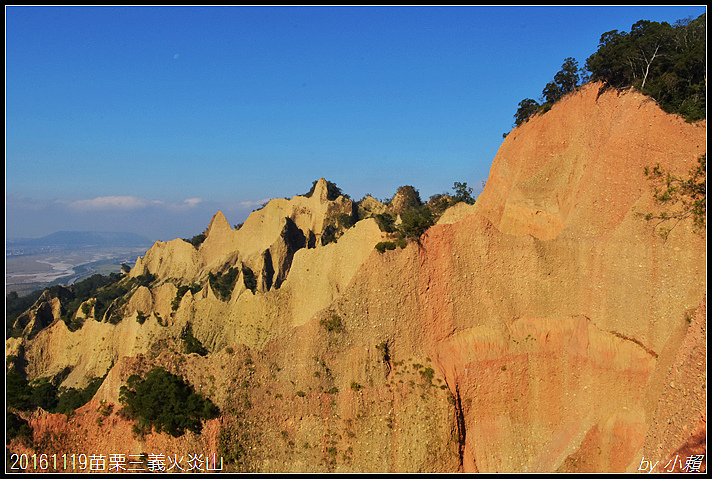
(545, 328)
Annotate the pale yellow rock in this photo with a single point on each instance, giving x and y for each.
(141, 300)
(536, 332)
(176, 259)
(455, 213)
(371, 206)
(319, 275)
(220, 242)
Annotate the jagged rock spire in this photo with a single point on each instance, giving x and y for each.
(218, 223)
(321, 190)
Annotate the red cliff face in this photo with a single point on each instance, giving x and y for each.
(555, 312)
(578, 168)
(550, 330)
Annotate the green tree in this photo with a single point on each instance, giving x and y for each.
(44, 394)
(71, 399)
(567, 79)
(165, 402)
(16, 427)
(16, 305)
(196, 240)
(385, 222)
(551, 93)
(407, 197)
(249, 278)
(191, 344)
(382, 246)
(333, 323)
(223, 283)
(652, 40)
(610, 64)
(463, 193)
(680, 198)
(18, 392)
(667, 62)
(415, 221)
(527, 108)
(332, 191)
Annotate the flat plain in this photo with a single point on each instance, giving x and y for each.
(30, 269)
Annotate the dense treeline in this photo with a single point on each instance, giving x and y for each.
(666, 62)
(24, 395)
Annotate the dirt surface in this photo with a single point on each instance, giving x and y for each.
(548, 328)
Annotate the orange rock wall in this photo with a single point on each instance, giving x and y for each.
(546, 330)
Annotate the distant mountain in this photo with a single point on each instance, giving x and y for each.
(85, 238)
(546, 328)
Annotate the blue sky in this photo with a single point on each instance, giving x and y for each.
(150, 119)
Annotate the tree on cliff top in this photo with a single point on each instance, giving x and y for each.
(527, 108)
(667, 62)
(565, 81)
(463, 193)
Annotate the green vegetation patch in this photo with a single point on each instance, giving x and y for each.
(110, 294)
(333, 323)
(249, 278)
(385, 245)
(235, 443)
(196, 240)
(111, 298)
(164, 402)
(182, 290)
(680, 198)
(332, 191)
(223, 283)
(25, 395)
(15, 305)
(16, 427)
(415, 221)
(336, 225)
(191, 344)
(71, 399)
(385, 222)
(106, 289)
(666, 62)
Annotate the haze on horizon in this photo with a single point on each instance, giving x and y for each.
(150, 119)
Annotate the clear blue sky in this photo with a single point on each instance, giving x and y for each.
(151, 119)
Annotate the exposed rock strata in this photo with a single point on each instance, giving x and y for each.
(543, 329)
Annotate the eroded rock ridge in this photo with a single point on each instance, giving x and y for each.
(546, 328)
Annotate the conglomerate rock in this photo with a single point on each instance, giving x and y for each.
(547, 328)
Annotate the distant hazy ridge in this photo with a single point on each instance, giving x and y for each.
(84, 238)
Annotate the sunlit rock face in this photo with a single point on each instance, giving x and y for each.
(546, 328)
